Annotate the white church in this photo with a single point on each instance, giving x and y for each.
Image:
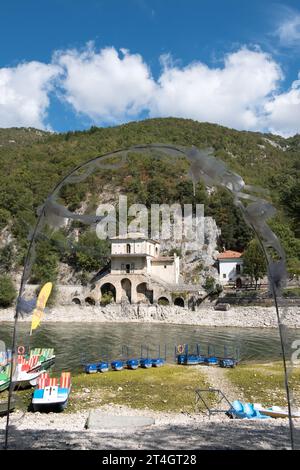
(138, 272)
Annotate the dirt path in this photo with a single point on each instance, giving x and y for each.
(216, 376)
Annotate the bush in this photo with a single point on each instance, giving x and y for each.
(209, 284)
(8, 292)
(106, 299)
(292, 292)
(4, 218)
(163, 302)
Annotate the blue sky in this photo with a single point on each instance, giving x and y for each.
(70, 64)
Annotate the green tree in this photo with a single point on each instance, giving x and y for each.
(91, 252)
(45, 267)
(7, 291)
(209, 284)
(4, 218)
(254, 264)
(6, 258)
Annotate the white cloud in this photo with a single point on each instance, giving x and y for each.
(107, 86)
(232, 95)
(283, 111)
(24, 94)
(112, 87)
(289, 30)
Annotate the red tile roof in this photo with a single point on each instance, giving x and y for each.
(228, 254)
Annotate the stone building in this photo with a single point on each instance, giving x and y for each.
(230, 267)
(138, 272)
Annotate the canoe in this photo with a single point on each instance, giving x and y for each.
(276, 411)
(51, 394)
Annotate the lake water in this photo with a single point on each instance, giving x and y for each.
(99, 341)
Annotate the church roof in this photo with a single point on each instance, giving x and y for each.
(229, 254)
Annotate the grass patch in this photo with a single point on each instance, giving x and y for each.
(20, 398)
(264, 383)
(168, 388)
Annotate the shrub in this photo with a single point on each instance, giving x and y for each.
(106, 299)
(7, 291)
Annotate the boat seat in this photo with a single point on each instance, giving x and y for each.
(52, 382)
(65, 380)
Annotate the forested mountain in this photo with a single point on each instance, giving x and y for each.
(33, 161)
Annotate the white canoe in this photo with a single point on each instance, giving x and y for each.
(276, 411)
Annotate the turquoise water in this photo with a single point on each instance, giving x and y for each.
(75, 343)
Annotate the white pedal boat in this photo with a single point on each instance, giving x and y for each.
(51, 395)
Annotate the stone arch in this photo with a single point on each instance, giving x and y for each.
(76, 301)
(163, 301)
(90, 301)
(143, 293)
(126, 288)
(108, 289)
(179, 302)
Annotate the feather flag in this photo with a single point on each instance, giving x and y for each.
(40, 305)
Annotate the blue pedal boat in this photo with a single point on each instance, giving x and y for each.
(91, 368)
(102, 367)
(201, 359)
(244, 411)
(146, 363)
(191, 359)
(181, 358)
(159, 362)
(117, 365)
(227, 362)
(133, 364)
(211, 361)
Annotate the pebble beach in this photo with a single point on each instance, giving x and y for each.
(244, 317)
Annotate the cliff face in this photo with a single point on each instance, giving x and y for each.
(197, 258)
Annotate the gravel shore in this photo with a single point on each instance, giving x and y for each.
(170, 431)
(243, 317)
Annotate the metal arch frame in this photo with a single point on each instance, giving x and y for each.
(212, 171)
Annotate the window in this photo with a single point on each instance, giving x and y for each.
(132, 268)
(165, 266)
(128, 248)
(128, 268)
(224, 276)
(238, 268)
